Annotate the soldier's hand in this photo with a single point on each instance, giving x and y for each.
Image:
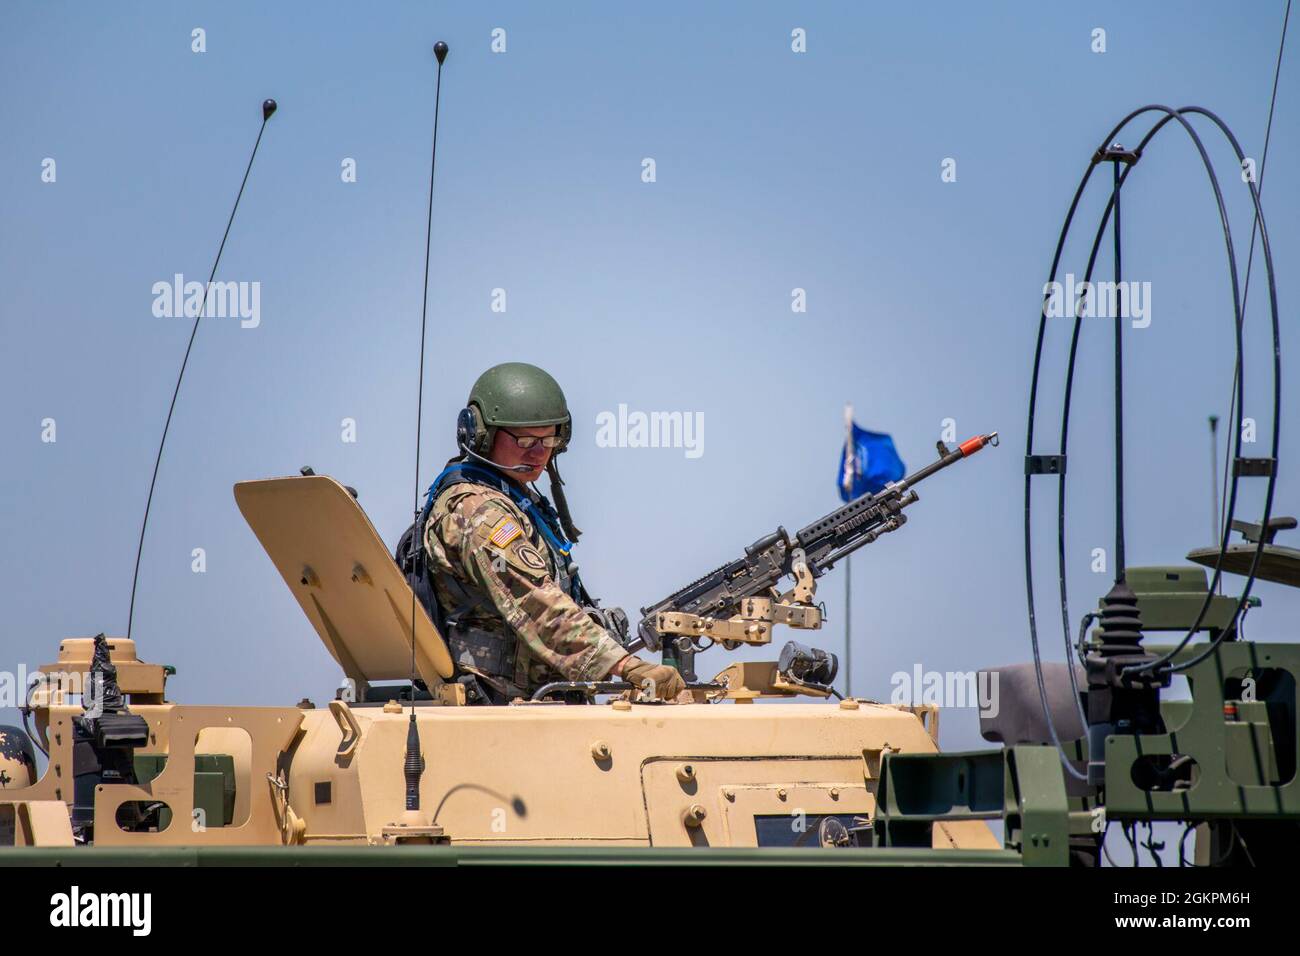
(667, 680)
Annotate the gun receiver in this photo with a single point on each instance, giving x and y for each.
(738, 603)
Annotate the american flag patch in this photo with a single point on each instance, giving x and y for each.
(506, 530)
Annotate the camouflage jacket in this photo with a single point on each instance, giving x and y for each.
(488, 546)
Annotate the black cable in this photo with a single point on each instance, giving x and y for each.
(1182, 841)
(1105, 851)
(1087, 619)
(1118, 181)
(1232, 844)
(1119, 390)
(1152, 846)
(1227, 459)
(1239, 383)
(1277, 410)
(1256, 223)
(26, 712)
(1170, 114)
(1029, 436)
(1250, 257)
(1216, 517)
(1029, 447)
(1263, 160)
(1060, 526)
(268, 108)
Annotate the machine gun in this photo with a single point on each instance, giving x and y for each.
(739, 603)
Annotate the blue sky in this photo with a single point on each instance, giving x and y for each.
(774, 171)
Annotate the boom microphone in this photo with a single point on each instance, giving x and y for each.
(489, 461)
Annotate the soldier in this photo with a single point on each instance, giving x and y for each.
(513, 610)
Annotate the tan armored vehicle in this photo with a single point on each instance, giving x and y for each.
(762, 758)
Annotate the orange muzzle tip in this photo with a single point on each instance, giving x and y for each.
(971, 445)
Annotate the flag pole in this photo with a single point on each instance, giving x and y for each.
(848, 626)
(850, 461)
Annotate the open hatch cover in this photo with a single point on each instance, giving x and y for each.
(342, 574)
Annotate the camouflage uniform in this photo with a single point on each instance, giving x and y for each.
(522, 628)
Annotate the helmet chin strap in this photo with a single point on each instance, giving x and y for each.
(557, 488)
(561, 504)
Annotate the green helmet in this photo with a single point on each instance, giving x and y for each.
(512, 395)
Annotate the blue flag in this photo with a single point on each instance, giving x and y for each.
(870, 464)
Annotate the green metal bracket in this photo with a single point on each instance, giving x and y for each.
(1241, 729)
(1022, 786)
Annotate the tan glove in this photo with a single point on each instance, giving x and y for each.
(667, 680)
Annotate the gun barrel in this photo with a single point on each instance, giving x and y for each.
(967, 448)
(892, 523)
(864, 519)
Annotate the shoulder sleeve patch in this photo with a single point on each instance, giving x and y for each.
(505, 531)
(530, 556)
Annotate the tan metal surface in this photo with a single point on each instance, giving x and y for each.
(175, 730)
(35, 823)
(143, 683)
(747, 680)
(619, 775)
(344, 577)
(55, 725)
(734, 792)
(600, 774)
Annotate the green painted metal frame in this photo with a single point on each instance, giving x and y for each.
(1022, 786)
(1213, 741)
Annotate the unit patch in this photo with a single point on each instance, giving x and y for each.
(530, 556)
(505, 531)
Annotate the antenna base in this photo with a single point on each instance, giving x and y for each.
(413, 828)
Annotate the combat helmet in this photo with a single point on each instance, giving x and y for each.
(512, 395)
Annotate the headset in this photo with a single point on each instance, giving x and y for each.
(474, 436)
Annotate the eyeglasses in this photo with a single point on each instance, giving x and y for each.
(528, 441)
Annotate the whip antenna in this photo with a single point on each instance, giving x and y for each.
(414, 761)
(268, 109)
